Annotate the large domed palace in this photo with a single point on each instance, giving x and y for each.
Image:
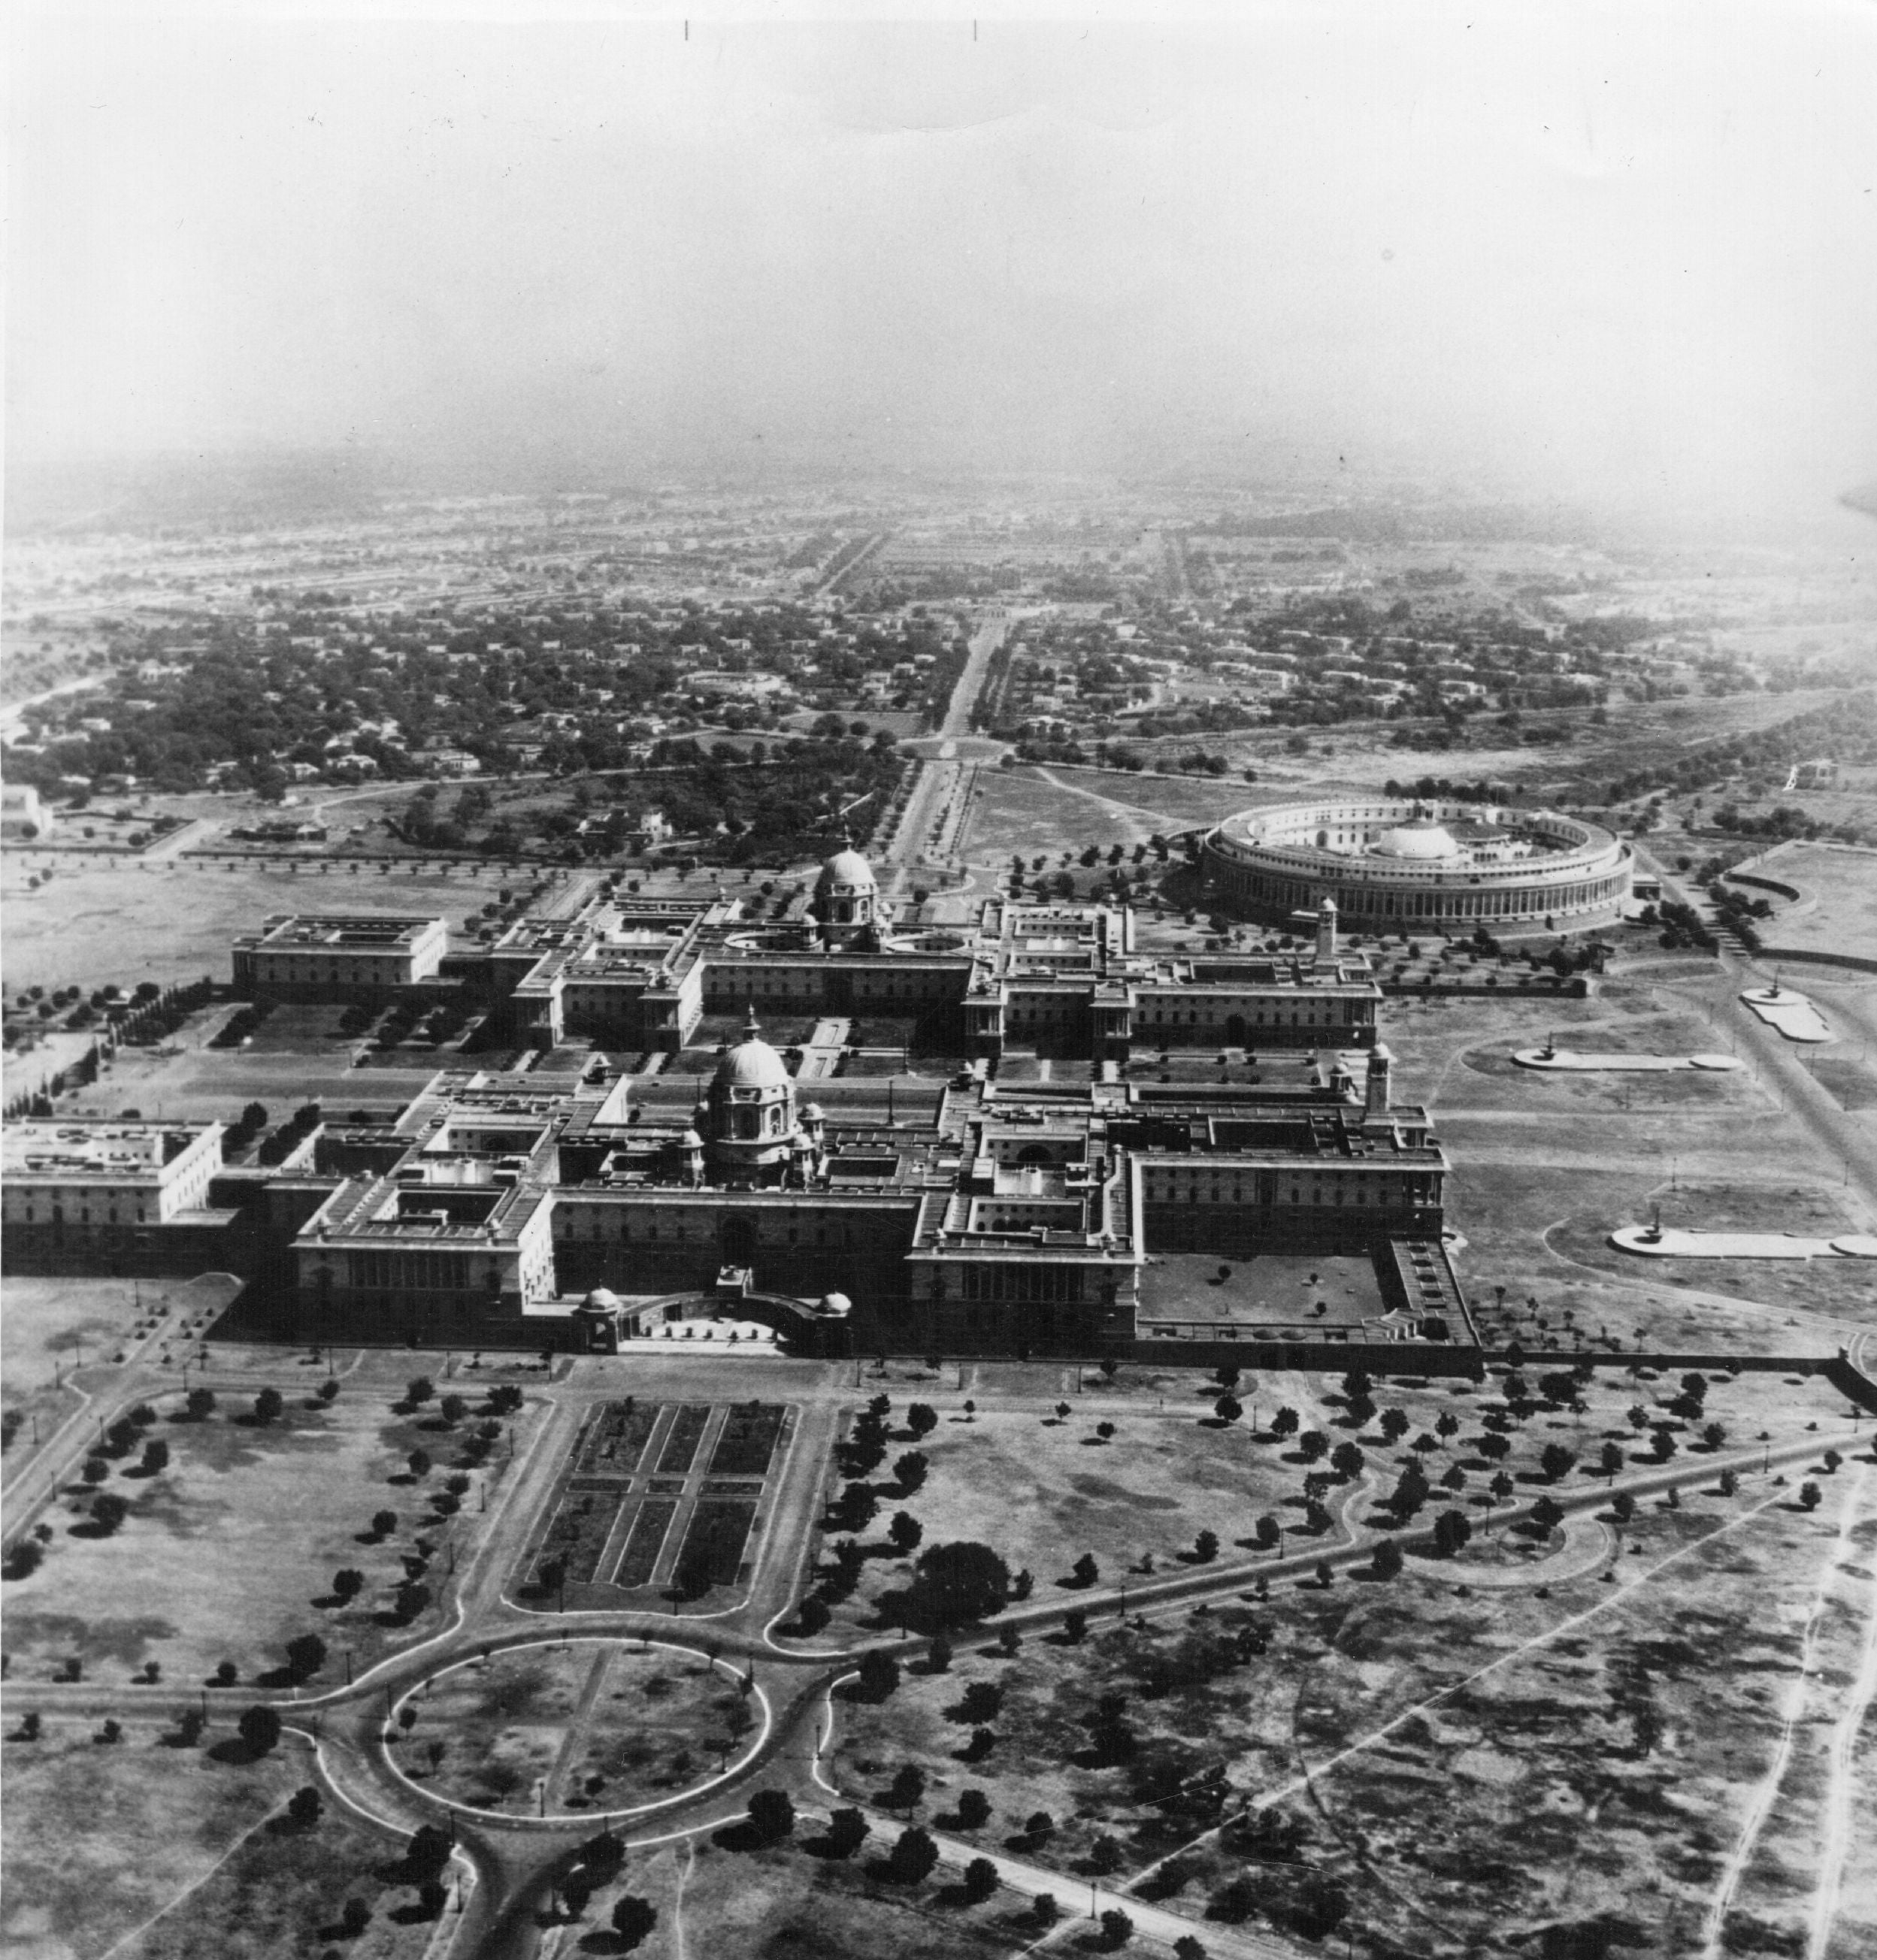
(1390, 867)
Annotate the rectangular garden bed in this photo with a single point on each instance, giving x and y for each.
(713, 1547)
(748, 1441)
(615, 1438)
(682, 1439)
(637, 1562)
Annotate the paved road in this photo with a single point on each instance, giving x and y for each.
(941, 778)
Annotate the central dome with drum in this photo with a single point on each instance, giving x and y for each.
(847, 901)
(1421, 839)
(749, 1110)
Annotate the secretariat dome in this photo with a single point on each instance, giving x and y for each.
(849, 870)
(753, 1063)
(1398, 866)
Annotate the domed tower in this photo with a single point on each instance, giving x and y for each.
(847, 900)
(753, 1125)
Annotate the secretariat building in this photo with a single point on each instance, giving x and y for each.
(1077, 1147)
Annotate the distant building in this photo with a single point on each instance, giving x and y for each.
(297, 957)
(74, 1187)
(1821, 774)
(22, 815)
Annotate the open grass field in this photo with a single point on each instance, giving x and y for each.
(1479, 1749)
(230, 1550)
(174, 920)
(1044, 1490)
(1844, 918)
(609, 1725)
(221, 1877)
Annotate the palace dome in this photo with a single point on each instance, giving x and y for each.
(1421, 839)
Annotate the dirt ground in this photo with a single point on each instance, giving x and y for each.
(174, 920)
(230, 1551)
(1468, 1754)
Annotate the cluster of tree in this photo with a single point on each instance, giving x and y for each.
(1683, 926)
(243, 1023)
(291, 1134)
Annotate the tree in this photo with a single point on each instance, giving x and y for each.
(95, 1470)
(109, 1512)
(269, 1406)
(1326, 1577)
(974, 1809)
(912, 1856)
(1395, 1425)
(1075, 1627)
(907, 1789)
(1085, 1571)
(1228, 1409)
(1448, 1428)
(879, 1674)
(981, 1701)
(355, 1916)
(1452, 1531)
(198, 1404)
(383, 1523)
(1622, 1507)
(1387, 1561)
(306, 1654)
(772, 1816)
(419, 1390)
(1346, 1460)
(1810, 1496)
(938, 1655)
(348, 1583)
(1044, 1910)
(1206, 1547)
(980, 1881)
(1105, 1855)
(1039, 1827)
(1556, 1461)
(1186, 1947)
(453, 1409)
(633, 1918)
(1117, 1929)
(1610, 1460)
(921, 1418)
(1313, 1445)
(1496, 1448)
(846, 1832)
(1831, 1460)
(1268, 1532)
(909, 1472)
(576, 1889)
(1729, 1483)
(905, 1531)
(1547, 1514)
(1105, 1430)
(156, 1457)
(227, 1673)
(1286, 1422)
(259, 1727)
(961, 1580)
(420, 1462)
(305, 1807)
(1714, 1435)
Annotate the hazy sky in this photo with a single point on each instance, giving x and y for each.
(1570, 245)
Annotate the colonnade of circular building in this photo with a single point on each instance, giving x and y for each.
(1391, 866)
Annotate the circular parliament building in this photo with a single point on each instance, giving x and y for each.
(1395, 866)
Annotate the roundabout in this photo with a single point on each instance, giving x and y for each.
(577, 1730)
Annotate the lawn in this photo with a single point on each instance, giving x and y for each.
(1042, 1492)
(610, 1725)
(99, 1840)
(230, 1550)
(1844, 919)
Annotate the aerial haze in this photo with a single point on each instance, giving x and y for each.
(1580, 252)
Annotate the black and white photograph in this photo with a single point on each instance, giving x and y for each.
(938, 952)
